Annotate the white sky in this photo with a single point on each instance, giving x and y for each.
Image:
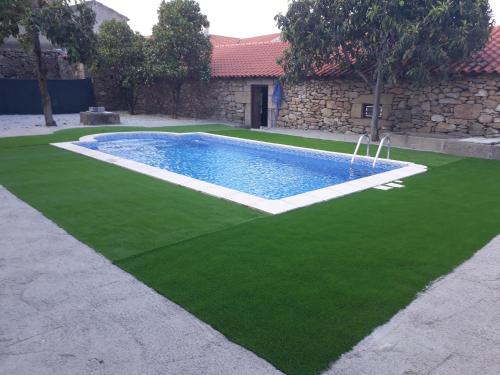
(237, 18)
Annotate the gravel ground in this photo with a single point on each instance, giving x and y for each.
(17, 125)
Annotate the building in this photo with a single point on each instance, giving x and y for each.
(104, 13)
(466, 103)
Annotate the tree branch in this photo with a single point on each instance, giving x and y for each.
(364, 77)
(347, 62)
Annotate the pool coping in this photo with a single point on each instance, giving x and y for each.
(271, 206)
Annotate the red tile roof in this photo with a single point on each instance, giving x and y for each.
(485, 61)
(256, 57)
(218, 40)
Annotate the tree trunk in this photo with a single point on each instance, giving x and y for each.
(176, 98)
(132, 99)
(377, 92)
(41, 73)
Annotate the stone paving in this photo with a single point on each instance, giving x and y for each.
(18, 125)
(65, 309)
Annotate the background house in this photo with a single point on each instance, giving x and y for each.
(104, 13)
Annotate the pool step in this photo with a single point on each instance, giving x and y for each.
(390, 185)
(394, 185)
(382, 187)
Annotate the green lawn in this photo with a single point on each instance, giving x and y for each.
(298, 289)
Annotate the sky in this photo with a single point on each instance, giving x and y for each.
(236, 18)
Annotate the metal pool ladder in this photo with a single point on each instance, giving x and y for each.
(386, 139)
(359, 144)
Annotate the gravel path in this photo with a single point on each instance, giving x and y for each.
(64, 309)
(17, 125)
(453, 328)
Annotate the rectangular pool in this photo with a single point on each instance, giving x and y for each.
(269, 177)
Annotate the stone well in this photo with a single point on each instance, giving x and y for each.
(99, 118)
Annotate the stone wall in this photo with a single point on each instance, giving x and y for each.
(17, 64)
(460, 105)
(108, 93)
(196, 98)
(227, 100)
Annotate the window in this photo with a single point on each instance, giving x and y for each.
(368, 111)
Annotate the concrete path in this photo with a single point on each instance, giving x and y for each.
(64, 309)
(18, 125)
(453, 328)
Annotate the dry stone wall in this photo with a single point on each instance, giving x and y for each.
(17, 64)
(217, 99)
(462, 105)
(457, 106)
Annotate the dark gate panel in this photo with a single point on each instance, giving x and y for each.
(22, 97)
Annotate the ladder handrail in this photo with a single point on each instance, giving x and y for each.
(361, 137)
(387, 139)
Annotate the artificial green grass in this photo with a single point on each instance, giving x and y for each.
(112, 210)
(298, 289)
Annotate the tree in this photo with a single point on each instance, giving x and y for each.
(120, 52)
(382, 41)
(64, 26)
(9, 21)
(178, 49)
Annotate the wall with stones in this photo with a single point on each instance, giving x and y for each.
(221, 99)
(462, 105)
(198, 100)
(108, 93)
(17, 64)
(458, 106)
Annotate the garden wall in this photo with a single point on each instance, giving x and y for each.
(217, 99)
(461, 105)
(17, 64)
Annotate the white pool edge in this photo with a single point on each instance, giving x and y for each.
(270, 206)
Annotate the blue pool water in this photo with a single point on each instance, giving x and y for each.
(264, 170)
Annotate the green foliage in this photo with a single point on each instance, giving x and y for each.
(179, 50)
(69, 27)
(10, 15)
(120, 52)
(382, 40)
(406, 39)
(401, 39)
(63, 25)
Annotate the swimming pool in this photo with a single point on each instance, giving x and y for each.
(270, 177)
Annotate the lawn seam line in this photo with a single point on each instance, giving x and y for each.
(130, 257)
